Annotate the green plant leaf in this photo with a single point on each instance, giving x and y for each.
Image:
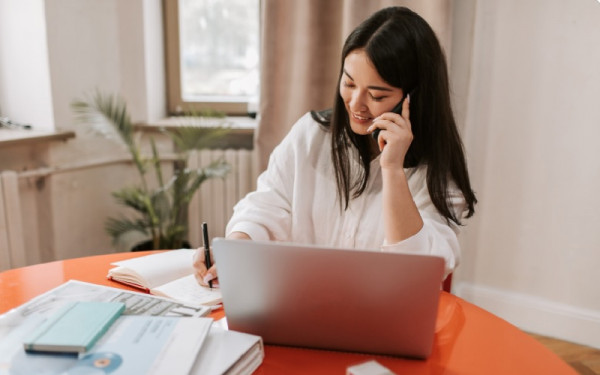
(161, 202)
(133, 197)
(108, 111)
(119, 227)
(176, 236)
(156, 163)
(161, 211)
(216, 169)
(187, 138)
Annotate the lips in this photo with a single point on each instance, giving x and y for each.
(361, 118)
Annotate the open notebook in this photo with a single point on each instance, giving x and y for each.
(340, 299)
(168, 274)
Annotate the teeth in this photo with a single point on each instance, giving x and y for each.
(359, 117)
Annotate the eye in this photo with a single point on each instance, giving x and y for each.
(348, 84)
(377, 98)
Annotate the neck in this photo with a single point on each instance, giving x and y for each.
(374, 149)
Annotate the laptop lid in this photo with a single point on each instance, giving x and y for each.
(327, 298)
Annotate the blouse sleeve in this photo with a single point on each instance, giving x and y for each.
(437, 236)
(265, 214)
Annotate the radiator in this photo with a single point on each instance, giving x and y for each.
(213, 202)
(12, 247)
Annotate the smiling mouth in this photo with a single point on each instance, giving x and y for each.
(361, 118)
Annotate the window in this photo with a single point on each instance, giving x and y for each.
(212, 49)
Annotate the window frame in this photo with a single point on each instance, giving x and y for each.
(176, 105)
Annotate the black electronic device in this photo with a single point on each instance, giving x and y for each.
(397, 109)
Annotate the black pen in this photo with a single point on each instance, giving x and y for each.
(206, 250)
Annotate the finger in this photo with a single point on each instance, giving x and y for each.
(211, 274)
(198, 260)
(406, 108)
(381, 142)
(200, 279)
(388, 125)
(388, 119)
(381, 123)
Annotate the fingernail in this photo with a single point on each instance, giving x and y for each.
(208, 278)
(408, 97)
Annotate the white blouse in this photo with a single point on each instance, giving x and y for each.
(296, 201)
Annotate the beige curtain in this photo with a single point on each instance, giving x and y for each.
(301, 43)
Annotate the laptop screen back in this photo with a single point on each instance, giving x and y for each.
(339, 299)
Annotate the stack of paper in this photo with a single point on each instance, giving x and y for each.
(165, 343)
(229, 352)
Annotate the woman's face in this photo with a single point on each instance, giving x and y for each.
(365, 94)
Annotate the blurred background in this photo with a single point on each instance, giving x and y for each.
(525, 83)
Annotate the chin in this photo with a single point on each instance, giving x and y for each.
(360, 129)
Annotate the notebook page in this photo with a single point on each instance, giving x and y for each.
(158, 269)
(187, 290)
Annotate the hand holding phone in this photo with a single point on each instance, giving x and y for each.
(397, 109)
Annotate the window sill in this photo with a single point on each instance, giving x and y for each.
(240, 135)
(11, 137)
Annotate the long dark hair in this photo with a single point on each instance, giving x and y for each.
(407, 54)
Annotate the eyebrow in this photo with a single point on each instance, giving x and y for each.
(370, 87)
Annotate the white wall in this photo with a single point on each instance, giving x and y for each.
(54, 51)
(99, 45)
(531, 130)
(106, 45)
(76, 46)
(24, 75)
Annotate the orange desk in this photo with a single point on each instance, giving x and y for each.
(468, 340)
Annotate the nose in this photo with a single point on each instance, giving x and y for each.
(357, 102)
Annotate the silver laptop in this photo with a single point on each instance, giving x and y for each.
(326, 298)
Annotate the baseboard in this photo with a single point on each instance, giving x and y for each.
(535, 314)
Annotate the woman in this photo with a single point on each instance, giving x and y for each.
(331, 183)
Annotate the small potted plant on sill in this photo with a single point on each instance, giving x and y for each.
(161, 213)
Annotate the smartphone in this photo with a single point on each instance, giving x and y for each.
(397, 109)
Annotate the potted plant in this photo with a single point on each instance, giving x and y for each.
(161, 212)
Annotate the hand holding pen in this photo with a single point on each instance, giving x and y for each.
(207, 261)
(205, 271)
